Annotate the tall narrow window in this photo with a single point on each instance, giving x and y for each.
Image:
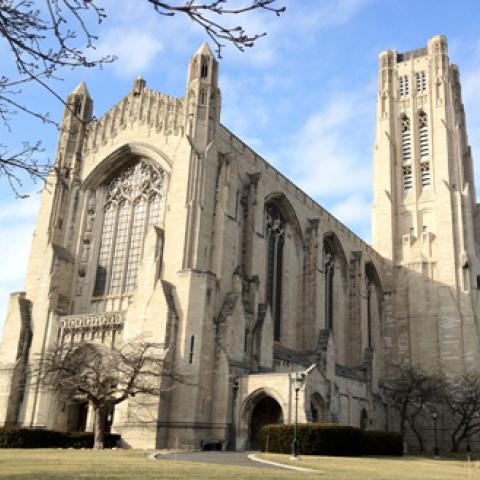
(404, 86)
(425, 172)
(407, 178)
(204, 70)
(369, 315)
(329, 287)
(424, 149)
(133, 201)
(421, 81)
(275, 237)
(406, 140)
(192, 349)
(423, 136)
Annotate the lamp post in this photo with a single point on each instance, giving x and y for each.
(435, 416)
(297, 382)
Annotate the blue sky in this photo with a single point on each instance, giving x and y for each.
(303, 97)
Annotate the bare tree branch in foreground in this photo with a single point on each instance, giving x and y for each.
(201, 13)
(44, 37)
(105, 377)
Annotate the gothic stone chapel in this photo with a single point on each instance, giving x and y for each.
(166, 225)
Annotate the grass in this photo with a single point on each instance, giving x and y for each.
(384, 468)
(134, 465)
(51, 464)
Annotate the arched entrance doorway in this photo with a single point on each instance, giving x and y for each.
(266, 411)
(318, 411)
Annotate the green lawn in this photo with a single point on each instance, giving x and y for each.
(384, 468)
(134, 465)
(54, 464)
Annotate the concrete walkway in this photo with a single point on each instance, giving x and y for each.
(239, 459)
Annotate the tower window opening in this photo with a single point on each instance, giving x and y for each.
(202, 98)
(204, 70)
(404, 86)
(407, 178)
(425, 174)
(406, 140)
(421, 81)
(423, 135)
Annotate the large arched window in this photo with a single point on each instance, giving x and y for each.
(275, 238)
(329, 286)
(133, 201)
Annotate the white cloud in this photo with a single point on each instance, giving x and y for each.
(353, 209)
(135, 49)
(331, 154)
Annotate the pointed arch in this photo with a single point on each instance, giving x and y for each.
(375, 299)
(288, 211)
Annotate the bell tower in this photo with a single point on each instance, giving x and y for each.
(425, 216)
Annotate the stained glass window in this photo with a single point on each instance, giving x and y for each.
(275, 235)
(133, 202)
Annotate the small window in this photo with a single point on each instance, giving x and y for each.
(407, 179)
(478, 282)
(404, 86)
(412, 231)
(77, 108)
(406, 140)
(424, 229)
(421, 81)
(209, 295)
(204, 70)
(423, 135)
(192, 349)
(425, 174)
(202, 98)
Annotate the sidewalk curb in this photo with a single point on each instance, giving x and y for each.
(254, 458)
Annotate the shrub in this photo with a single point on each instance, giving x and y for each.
(381, 443)
(41, 438)
(313, 438)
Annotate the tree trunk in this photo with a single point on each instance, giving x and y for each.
(99, 426)
(417, 434)
(455, 443)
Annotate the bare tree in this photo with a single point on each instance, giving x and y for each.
(202, 14)
(105, 377)
(44, 37)
(462, 396)
(410, 393)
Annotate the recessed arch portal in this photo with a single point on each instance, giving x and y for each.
(260, 409)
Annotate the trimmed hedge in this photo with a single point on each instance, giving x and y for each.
(313, 438)
(330, 439)
(41, 438)
(376, 442)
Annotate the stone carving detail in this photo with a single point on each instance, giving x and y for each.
(273, 221)
(101, 327)
(86, 241)
(141, 179)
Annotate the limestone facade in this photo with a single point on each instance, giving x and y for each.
(162, 223)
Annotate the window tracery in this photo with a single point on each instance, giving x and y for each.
(133, 202)
(275, 237)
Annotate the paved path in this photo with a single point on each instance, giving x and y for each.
(219, 458)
